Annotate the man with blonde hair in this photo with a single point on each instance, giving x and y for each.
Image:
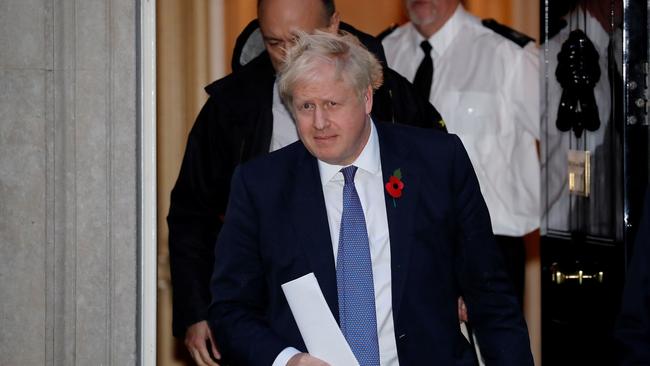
(244, 118)
(388, 218)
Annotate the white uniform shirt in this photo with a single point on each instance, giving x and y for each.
(487, 89)
(369, 183)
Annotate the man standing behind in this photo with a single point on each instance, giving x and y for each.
(390, 220)
(487, 87)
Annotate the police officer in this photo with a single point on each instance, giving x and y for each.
(484, 78)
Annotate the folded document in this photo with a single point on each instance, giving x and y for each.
(316, 323)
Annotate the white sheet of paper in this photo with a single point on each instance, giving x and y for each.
(316, 323)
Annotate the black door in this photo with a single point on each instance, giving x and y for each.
(594, 151)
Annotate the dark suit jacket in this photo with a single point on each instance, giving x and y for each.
(276, 230)
(234, 126)
(633, 325)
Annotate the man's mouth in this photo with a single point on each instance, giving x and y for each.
(324, 138)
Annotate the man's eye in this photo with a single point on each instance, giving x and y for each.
(305, 107)
(332, 104)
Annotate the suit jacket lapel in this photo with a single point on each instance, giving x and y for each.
(309, 217)
(399, 211)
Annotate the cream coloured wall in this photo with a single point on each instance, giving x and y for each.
(190, 53)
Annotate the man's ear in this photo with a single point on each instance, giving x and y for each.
(368, 99)
(335, 21)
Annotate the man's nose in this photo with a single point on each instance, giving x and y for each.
(321, 120)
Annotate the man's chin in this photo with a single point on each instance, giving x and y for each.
(327, 157)
(423, 21)
(421, 14)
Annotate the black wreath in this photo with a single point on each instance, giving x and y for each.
(578, 71)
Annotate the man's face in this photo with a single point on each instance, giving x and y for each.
(280, 19)
(428, 12)
(331, 119)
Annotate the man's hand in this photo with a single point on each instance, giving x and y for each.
(196, 337)
(304, 359)
(462, 310)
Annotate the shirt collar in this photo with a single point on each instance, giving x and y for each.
(369, 160)
(444, 37)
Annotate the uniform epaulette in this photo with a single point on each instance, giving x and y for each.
(519, 38)
(387, 31)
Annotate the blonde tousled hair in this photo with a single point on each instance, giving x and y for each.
(353, 63)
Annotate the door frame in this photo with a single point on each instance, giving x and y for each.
(147, 205)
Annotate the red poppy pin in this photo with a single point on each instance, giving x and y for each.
(395, 185)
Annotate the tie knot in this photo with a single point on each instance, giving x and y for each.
(348, 174)
(426, 47)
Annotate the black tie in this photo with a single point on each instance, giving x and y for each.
(424, 75)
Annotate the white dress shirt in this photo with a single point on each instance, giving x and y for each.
(487, 89)
(369, 184)
(284, 129)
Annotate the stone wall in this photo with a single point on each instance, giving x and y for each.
(68, 182)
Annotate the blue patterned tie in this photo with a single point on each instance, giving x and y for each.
(354, 278)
